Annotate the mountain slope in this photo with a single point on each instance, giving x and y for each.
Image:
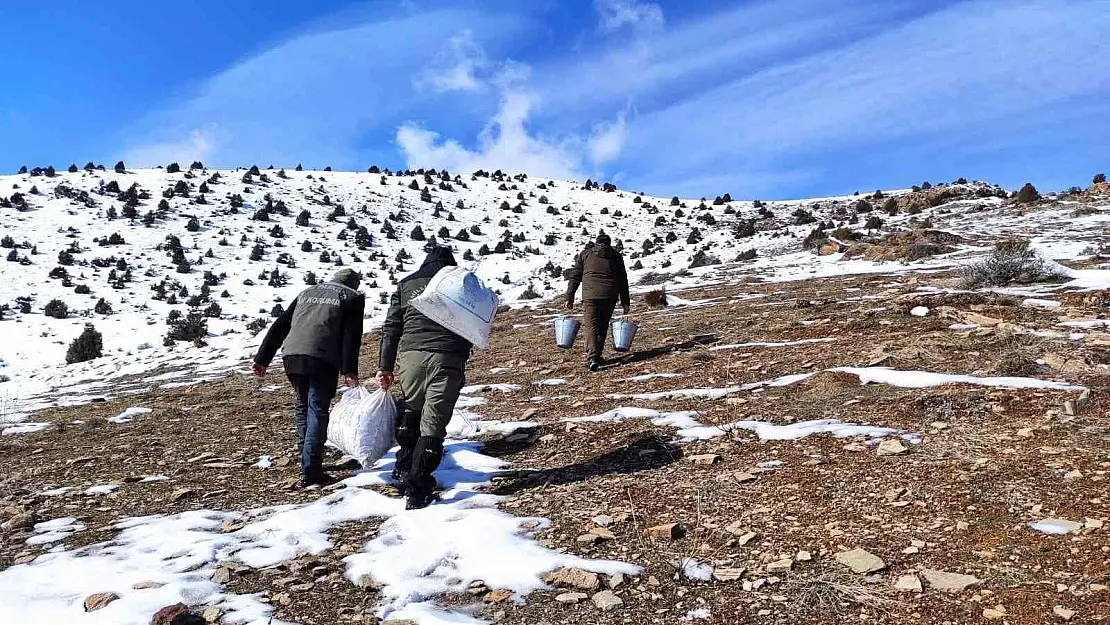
(256, 236)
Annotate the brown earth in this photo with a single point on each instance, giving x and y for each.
(989, 461)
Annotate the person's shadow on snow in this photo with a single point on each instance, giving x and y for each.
(644, 454)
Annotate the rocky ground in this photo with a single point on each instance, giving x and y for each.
(728, 530)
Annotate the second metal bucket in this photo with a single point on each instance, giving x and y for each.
(623, 332)
(566, 330)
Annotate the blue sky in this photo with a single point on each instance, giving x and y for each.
(763, 99)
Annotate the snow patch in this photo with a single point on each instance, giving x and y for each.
(652, 376)
(25, 428)
(128, 415)
(763, 344)
(694, 569)
(102, 489)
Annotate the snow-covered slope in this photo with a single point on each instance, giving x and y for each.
(253, 265)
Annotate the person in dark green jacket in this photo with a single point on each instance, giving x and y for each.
(320, 335)
(429, 362)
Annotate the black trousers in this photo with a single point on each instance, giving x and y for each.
(598, 314)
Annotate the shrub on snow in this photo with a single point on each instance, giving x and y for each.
(87, 346)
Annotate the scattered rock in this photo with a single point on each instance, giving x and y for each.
(803, 556)
(603, 520)
(20, 521)
(606, 601)
(780, 566)
(573, 578)
(222, 575)
(1063, 613)
(176, 614)
(948, 582)
(604, 533)
(615, 581)
(572, 598)
(994, 614)
(891, 447)
(705, 459)
(182, 493)
(728, 575)
(498, 596)
(670, 531)
(212, 615)
(589, 539)
(99, 600)
(860, 561)
(1067, 365)
(282, 598)
(908, 583)
(894, 494)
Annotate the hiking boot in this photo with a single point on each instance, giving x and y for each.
(398, 479)
(321, 480)
(595, 363)
(419, 501)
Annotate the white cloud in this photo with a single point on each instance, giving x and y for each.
(325, 97)
(456, 67)
(198, 145)
(642, 16)
(505, 143)
(607, 139)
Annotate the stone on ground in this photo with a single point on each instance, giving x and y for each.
(99, 600)
(860, 561)
(948, 582)
(891, 447)
(606, 601)
(908, 583)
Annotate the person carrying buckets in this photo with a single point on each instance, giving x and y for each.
(600, 272)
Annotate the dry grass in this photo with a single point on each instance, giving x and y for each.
(656, 298)
(839, 594)
(1018, 354)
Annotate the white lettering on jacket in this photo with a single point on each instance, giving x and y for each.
(333, 301)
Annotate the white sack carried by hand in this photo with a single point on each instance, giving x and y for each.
(457, 299)
(362, 424)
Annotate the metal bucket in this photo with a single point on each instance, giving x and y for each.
(623, 332)
(566, 330)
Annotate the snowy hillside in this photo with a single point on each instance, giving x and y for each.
(125, 250)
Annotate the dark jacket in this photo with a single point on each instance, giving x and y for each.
(323, 323)
(406, 329)
(600, 270)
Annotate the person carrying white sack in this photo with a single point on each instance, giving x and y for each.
(320, 335)
(429, 363)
